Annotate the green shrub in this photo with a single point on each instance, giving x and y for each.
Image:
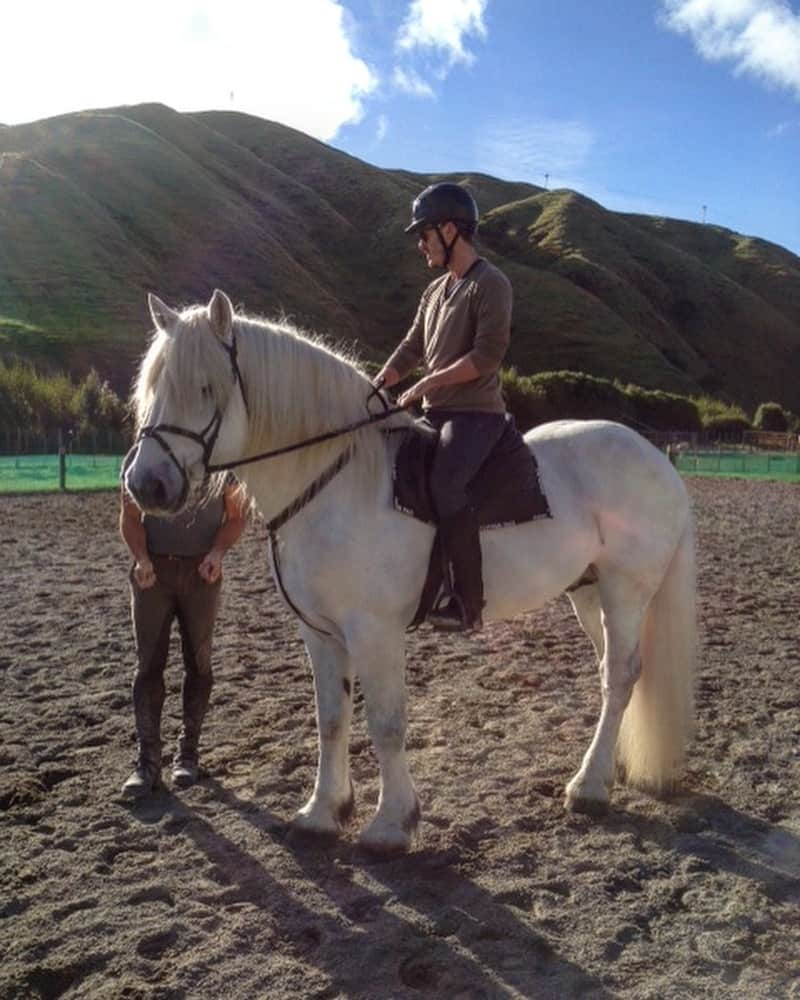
(96, 405)
(716, 412)
(726, 424)
(663, 411)
(524, 400)
(38, 402)
(563, 395)
(771, 417)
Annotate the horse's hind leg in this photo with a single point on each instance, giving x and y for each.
(331, 803)
(586, 605)
(623, 606)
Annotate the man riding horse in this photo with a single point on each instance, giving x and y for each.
(460, 334)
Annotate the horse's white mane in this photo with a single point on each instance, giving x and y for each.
(296, 385)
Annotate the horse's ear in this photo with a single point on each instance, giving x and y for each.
(220, 315)
(163, 317)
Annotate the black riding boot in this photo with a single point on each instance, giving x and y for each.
(148, 700)
(460, 536)
(196, 696)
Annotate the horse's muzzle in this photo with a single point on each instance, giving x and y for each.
(156, 489)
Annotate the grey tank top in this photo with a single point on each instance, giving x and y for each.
(190, 533)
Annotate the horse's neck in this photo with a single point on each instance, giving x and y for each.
(360, 485)
(316, 392)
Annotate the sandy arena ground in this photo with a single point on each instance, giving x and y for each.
(208, 894)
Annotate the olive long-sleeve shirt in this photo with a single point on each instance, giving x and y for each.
(473, 319)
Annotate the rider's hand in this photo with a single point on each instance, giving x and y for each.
(416, 391)
(144, 574)
(386, 378)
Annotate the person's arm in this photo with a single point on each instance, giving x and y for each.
(462, 370)
(133, 534)
(233, 524)
(493, 303)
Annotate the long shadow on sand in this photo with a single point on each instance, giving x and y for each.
(415, 922)
(725, 839)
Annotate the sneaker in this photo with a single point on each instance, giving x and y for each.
(144, 780)
(185, 772)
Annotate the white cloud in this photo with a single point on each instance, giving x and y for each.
(761, 37)
(527, 149)
(443, 25)
(410, 82)
(383, 128)
(289, 61)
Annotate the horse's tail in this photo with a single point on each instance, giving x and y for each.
(658, 721)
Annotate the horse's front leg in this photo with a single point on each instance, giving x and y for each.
(332, 802)
(379, 657)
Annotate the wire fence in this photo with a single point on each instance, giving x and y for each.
(780, 466)
(50, 473)
(34, 462)
(22, 441)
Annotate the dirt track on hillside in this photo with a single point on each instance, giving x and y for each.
(207, 893)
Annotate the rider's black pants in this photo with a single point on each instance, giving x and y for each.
(465, 440)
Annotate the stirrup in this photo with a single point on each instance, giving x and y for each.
(449, 615)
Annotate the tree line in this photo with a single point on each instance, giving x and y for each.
(44, 402)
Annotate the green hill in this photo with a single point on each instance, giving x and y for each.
(98, 208)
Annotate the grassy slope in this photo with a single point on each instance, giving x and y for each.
(661, 306)
(97, 208)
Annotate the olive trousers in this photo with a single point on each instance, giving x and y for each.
(181, 594)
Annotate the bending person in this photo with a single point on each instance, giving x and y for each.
(177, 574)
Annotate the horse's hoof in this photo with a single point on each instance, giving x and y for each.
(589, 807)
(388, 843)
(315, 822)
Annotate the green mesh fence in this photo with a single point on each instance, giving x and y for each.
(40, 473)
(783, 466)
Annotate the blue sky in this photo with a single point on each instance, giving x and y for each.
(655, 106)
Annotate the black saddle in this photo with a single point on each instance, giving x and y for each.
(506, 490)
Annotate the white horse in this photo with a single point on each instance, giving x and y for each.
(353, 567)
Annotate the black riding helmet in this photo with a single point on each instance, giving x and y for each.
(442, 203)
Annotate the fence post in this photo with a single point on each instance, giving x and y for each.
(62, 462)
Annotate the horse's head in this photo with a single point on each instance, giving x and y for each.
(190, 403)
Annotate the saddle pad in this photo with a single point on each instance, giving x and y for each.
(506, 489)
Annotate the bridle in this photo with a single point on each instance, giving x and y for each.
(207, 438)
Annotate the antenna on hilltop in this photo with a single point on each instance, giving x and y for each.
(705, 207)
